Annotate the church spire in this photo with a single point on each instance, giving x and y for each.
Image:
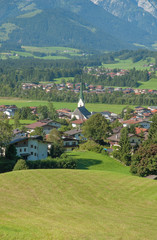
(81, 97)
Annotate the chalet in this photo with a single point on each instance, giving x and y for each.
(30, 148)
(47, 125)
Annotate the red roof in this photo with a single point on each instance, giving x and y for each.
(79, 121)
(139, 130)
(131, 121)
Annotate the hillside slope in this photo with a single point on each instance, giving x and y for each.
(79, 24)
(141, 13)
(75, 204)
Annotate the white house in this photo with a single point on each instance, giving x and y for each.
(9, 112)
(30, 148)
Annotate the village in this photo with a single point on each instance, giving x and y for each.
(36, 147)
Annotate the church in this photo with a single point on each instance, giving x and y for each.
(81, 112)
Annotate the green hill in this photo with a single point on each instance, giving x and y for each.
(77, 204)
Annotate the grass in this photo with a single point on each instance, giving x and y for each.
(59, 80)
(77, 205)
(22, 122)
(128, 64)
(90, 106)
(151, 84)
(96, 161)
(50, 49)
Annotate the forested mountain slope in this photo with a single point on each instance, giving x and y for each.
(79, 24)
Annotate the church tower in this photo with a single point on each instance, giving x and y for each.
(81, 97)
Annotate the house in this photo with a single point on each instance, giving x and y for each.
(134, 139)
(70, 143)
(19, 133)
(81, 112)
(142, 123)
(78, 123)
(75, 133)
(9, 112)
(46, 124)
(30, 148)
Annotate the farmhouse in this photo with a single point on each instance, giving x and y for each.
(30, 148)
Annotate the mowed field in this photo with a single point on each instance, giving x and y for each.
(90, 106)
(128, 64)
(96, 204)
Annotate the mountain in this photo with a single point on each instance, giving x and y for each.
(84, 24)
(140, 13)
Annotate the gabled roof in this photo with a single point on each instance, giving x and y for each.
(73, 132)
(19, 139)
(82, 112)
(39, 124)
(78, 121)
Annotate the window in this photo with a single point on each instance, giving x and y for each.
(35, 154)
(20, 150)
(31, 146)
(31, 153)
(24, 149)
(35, 147)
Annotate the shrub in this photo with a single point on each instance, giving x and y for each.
(91, 146)
(6, 165)
(63, 162)
(20, 165)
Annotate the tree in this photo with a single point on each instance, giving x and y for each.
(16, 120)
(144, 161)
(52, 113)
(56, 143)
(11, 153)
(125, 147)
(37, 131)
(6, 133)
(43, 112)
(153, 129)
(96, 128)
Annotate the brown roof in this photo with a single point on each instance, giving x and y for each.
(38, 124)
(79, 121)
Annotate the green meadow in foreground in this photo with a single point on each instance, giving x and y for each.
(96, 161)
(77, 205)
(90, 106)
(102, 203)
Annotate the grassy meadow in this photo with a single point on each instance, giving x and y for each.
(128, 64)
(77, 205)
(151, 84)
(90, 106)
(96, 161)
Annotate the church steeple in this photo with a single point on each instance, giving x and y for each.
(81, 97)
